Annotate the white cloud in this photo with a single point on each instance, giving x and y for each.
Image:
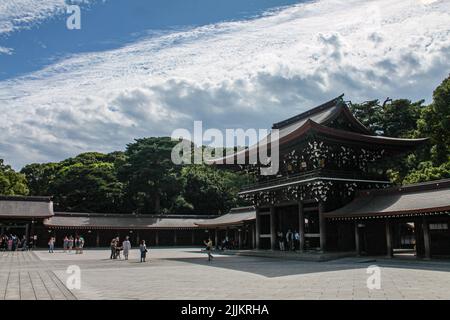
(23, 14)
(18, 14)
(236, 74)
(5, 50)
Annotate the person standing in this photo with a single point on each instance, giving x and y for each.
(280, 240)
(143, 250)
(209, 247)
(75, 244)
(65, 243)
(70, 243)
(113, 248)
(81, 244)
(51, 244)
(126, 245)
(289, 239)
(297, 240)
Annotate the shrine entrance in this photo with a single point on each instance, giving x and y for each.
(404, 239)
(287, 219)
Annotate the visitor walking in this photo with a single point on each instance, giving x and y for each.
(143, 250)
(126, 245)
(209, 246)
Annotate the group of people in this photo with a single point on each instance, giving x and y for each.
(227, 244)
(125, 246)
(12, 242)
(69, 243)
(289, 241)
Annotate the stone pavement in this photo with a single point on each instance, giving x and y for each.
(185, 273)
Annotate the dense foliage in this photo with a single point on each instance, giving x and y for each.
(11, 182)
(403, 118)
(143, 179)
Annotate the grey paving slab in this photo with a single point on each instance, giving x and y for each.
(186, 274)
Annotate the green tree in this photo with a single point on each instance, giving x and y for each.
(427, 172)
(211, 190)
(11, 182)
(40, 177)
(369, 113)
(399, 118)
(435, 123)
(90, 187)
(152, 180)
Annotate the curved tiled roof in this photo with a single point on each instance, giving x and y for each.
(122, 221)
(415, 199)
(236, 217)
(318, 119)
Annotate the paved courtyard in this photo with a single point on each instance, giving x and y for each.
(185, 273)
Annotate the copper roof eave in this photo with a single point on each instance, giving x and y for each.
(389, 213)
(224, 224)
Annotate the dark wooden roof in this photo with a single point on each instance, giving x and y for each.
(417, 199)
(25, 207)
(236, 216)
(317, 120)
(66, 220)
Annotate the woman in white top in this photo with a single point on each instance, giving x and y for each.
(126, 245)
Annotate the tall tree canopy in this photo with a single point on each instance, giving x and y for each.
(11, 182)
(152, 180)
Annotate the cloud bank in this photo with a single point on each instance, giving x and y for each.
(230, 75)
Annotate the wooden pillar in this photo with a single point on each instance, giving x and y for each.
(97, 239)
(389, 250)
(216, 237)
(426, 238)
(257, 230)
(273, 231)
(156, 238)
(175, 237)
(357, 240)
(137, 238)
(193, 236)
(322, 228)
(253, 227)
(301, 226)
(240, 238)
(27, 235)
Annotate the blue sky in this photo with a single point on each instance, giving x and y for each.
(145, 68)
(113, 23)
